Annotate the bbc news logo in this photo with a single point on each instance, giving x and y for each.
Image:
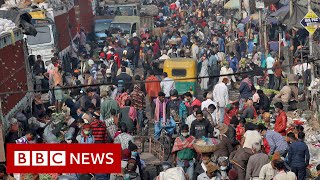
(64, 158)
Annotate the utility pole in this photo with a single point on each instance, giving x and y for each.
(2, 135)
(310, 46)
(290, 52)
(291, 8)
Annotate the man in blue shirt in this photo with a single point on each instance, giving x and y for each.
(221, 43)
(274, 139)
(233, 61)
(298, 155)
(184, 39)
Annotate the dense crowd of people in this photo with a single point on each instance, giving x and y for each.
(101, 98)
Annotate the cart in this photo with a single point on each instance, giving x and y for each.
(152, 151)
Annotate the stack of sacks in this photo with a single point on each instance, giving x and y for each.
(6, 25)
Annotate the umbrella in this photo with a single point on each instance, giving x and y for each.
(232, 4)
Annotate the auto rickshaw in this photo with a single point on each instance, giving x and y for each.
(184, 72)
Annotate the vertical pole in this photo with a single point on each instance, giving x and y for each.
(279, 43)
(291, 8)
(2, 135)
(310, 45)
(265, 39)
(261, 28)
(290, 52)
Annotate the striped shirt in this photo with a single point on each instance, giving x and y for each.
(22, 140)
(276, 142)
(99, 131)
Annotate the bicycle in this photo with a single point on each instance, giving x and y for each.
(166, 138)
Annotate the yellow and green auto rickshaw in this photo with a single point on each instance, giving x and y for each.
(184, 72)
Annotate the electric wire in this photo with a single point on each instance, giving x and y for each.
(140, 82)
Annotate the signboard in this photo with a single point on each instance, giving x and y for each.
(259, 4)
(310, 22)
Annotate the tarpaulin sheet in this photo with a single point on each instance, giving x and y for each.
(283, 15)
(232, 4)
(21, 19)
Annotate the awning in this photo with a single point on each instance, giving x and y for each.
(232, 4)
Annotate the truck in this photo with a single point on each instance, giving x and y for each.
(56, 29)
(125, 9)
(106, 15)
(15, 79)
(15, 76)
(101, 24)
(130, 24)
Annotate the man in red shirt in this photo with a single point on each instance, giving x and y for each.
(281, 120)
(152, 88)
(191, 101)
(173, 7)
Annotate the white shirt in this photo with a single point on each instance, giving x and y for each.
(178, 4)
(195, 51)
(285, 176)
(164, 57)
(223, 71)
(270, 62)
(167, 84)
(306, 66)
(206, 103)
(267, 172)
(50, 68)
(189, 120)
(221, 95)
(251, 137)
(297, 69)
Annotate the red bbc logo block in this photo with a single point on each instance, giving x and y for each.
(40, 158)
(64, 158)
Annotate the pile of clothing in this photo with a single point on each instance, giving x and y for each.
(6, 25)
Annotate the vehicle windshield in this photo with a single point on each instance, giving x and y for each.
(123, 27)
(101, 26)
(125, 10)
(43, 36)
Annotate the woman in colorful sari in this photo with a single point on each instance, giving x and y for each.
(183, 153)
(230, 111)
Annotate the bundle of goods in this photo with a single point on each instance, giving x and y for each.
(151, 10)
(16, 3)
(39, 176)
(206, 145)
(6, 25)
(255, 121)
(268, 92)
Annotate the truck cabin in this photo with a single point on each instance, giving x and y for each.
(121, 10)
(128, 28)
(44, 42)
(100, 28)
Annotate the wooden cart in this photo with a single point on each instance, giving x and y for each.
(152, 151)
